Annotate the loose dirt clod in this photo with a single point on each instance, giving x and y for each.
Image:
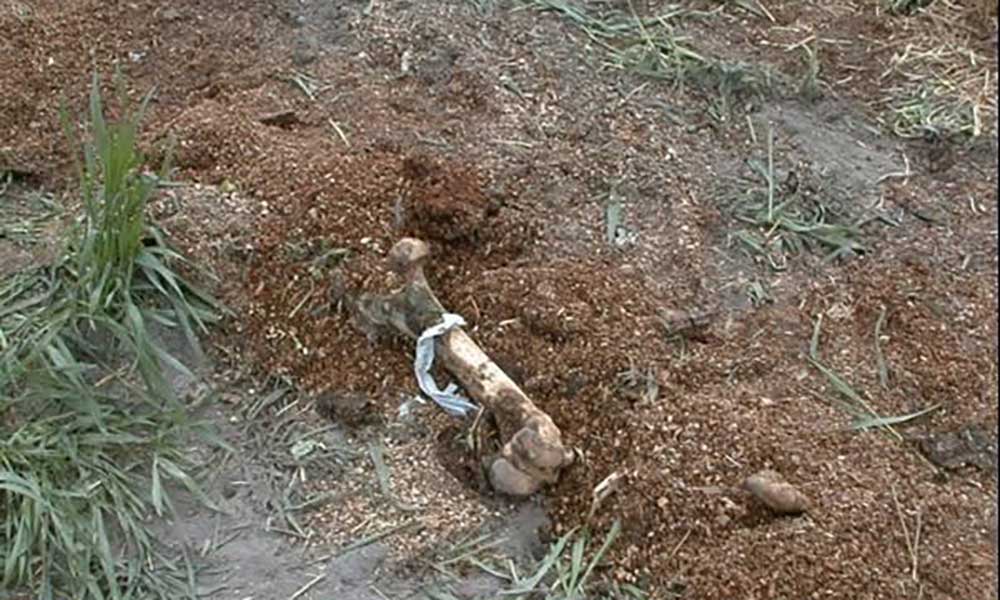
(969, 445)
(777, 494)
(350, 408)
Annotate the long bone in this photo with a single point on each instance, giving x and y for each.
(533, 453)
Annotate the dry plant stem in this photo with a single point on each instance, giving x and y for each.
(533, 453)
(912, 543)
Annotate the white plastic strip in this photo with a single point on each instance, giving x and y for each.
(449, 399)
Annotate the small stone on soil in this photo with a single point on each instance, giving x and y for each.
(777, 494)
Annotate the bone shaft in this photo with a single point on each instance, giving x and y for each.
(482, 378)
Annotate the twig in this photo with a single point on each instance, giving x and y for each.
(687, 534)
(626, 97)
(766, 12)
(304, 83)
(902, 519)
(287, 532)
(286, 408)
(377, 591)
(316, 561)
(376, 452)
(517, 143)
(800, 43)
(603, 489)
(308, 586)
(472, 439)
(340, 132)
(911, 545)
(904, 174)
(375, 537)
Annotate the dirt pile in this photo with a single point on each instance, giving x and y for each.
(741, 399)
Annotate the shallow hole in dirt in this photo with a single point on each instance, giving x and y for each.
(464, 463)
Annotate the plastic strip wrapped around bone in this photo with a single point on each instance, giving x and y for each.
(449, 399)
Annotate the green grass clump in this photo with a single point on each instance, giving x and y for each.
(567, 569)
(567, 572)
(783, 222)
(646, 45)
(90, 431)
(652, 47)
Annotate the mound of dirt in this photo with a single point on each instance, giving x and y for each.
(444, 206)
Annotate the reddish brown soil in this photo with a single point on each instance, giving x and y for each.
(506, 187)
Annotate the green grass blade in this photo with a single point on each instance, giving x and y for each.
(608, 540)
(550, 560)
(883, 370)
(576, 562)
(883, 422)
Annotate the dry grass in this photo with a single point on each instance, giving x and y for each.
(938, 82)
(984, 9)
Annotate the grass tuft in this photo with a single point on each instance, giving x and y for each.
(782, 221)
(91, 434)
(565, 572)
(568, 571)
(810, 85)
(650, 46)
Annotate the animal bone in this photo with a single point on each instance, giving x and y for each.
(533, 453)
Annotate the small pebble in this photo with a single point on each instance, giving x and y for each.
(771, 489)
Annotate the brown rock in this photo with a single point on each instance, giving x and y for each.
(771, 489)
